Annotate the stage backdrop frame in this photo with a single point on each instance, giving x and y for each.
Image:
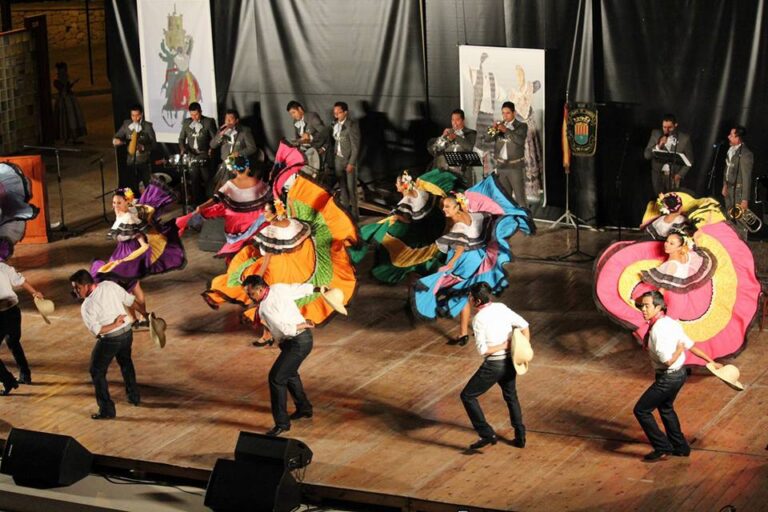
(177, 66)
(507, 74)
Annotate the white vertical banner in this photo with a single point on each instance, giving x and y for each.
(490, 76)
(176, 62)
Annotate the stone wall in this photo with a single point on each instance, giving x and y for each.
(65, 20)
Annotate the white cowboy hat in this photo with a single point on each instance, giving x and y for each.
(728, 374)
(157, 330)
(45, 307)
(520, 351)
(335, 298)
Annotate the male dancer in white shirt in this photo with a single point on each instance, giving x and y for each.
(666, 342)
(279, 313)
(492, 325)
(104, 313)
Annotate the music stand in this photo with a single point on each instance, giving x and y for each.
(61, 225)
(462, 159)
(671, 158)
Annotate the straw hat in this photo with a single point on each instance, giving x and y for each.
(45, 307)
(521, 351)
(728, 374)
(157, 330)
(335, 298)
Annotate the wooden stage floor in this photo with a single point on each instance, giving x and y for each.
(387, 413)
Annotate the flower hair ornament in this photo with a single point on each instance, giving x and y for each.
(688, 242)
(669, 203)
(127, 193)
(279, 208)
(237, 163)
(461, 200)
(405, 180)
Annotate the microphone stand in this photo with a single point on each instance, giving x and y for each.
(711, 174)
(60, 226)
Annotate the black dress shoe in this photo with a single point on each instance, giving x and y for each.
(300, 414)
(483, 441)
(460, 341)
(276, 431)
(519, 442)
(134, 403)
(655, 456)
(9, 386)
(102, 416)
(24, 378)
(682, 453)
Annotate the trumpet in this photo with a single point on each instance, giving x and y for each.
(746, 218)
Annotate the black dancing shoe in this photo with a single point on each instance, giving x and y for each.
(460, 341)
(276, 431)
(300, 414)
(655, 456)
(482, 442)
(685, 452)
(9, 386)
(24, 378)
(102, 416)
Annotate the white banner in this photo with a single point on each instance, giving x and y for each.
(489, 77)
(176, 62)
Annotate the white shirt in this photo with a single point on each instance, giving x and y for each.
(492, 325)
(9, 279)
(105, 303)
(279, 312)
(729, 161)
(503, 152)
(337, 134)
(662, 343)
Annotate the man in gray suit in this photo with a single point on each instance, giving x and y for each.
(309, 128)
(346, 134)
(667, 176)
(234, 140)
(139, 136)
(197, 133)
(456, 138)
(737, 177)
(509, 153)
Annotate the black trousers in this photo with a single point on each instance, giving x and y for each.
(10, 326)
(284, 378)
(134, 173)
(106, 349)
(661, 395)
(500, 372)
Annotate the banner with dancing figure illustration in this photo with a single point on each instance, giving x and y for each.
(176, 62)
(490, 76)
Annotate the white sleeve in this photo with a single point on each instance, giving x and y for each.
(682, 337)
(515, 320)
(481, 340)
(14, 277)
(89, 318)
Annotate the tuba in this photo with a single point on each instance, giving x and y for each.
(745, 218)
(133, 143)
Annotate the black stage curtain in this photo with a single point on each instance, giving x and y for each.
(703, 61)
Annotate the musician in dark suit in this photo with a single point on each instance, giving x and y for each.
(309, 128)
(234, 139)
(667, 176)
(139, 136)
(197, 133)
(509, 152)
(737, 177)
(346, 149)
(456, 138)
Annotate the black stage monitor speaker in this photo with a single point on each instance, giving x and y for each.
(241, 486)
(293, 454)
(42, 460)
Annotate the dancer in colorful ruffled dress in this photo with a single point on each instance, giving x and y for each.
(708, 279)
(405, 240)
(145, 245)
(305, 242)
(240, 201)
(476, 247)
